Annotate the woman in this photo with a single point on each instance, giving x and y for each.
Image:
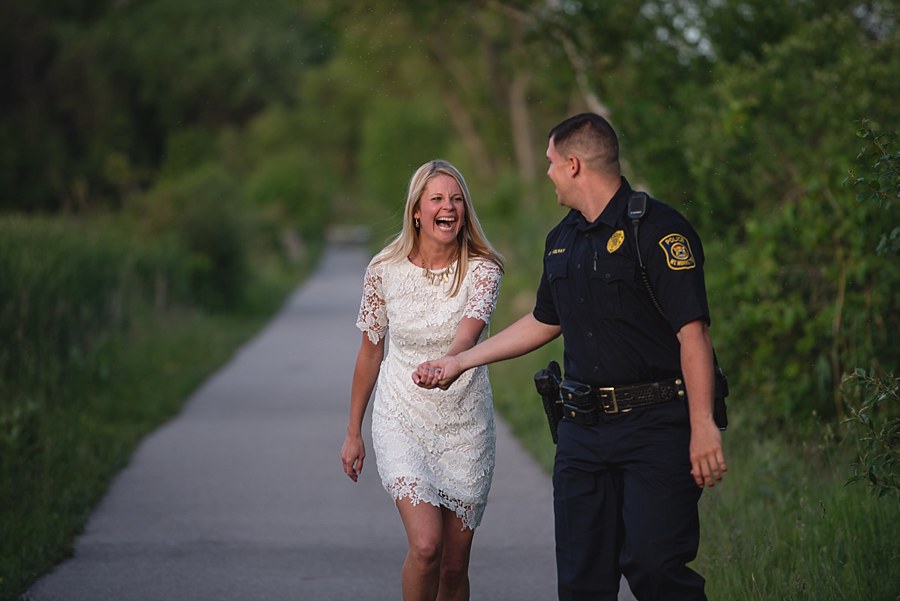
(434, 287)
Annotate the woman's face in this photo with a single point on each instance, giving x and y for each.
(441, 210)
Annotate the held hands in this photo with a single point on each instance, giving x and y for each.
(707, 457)
(440, 373)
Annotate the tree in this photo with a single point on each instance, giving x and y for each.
(97, 93)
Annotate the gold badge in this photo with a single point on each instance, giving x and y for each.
(678, 252)
(556, 251)
(615, 241)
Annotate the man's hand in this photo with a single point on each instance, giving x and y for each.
(440, 373)
(707, 457)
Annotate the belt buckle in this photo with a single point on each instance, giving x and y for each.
(610, 408)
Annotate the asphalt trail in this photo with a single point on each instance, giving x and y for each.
(241, 496)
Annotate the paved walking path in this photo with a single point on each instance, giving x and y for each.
(242, 497)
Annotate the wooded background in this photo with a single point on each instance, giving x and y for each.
(163, 157)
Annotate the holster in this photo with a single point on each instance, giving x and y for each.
(546, 381)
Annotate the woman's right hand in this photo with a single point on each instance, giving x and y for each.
(353, 453)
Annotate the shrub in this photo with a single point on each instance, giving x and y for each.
(202, 212)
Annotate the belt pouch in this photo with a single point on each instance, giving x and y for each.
(579, 404)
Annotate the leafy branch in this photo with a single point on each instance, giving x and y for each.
(877, 427)
(877, 177)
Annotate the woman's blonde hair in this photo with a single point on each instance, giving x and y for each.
(471, 239)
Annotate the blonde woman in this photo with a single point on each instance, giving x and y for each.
(434, 288)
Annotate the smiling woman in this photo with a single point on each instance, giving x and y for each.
(434, 449)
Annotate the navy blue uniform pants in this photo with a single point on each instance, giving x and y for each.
(625, 503)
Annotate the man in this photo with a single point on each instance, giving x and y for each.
(637, 442)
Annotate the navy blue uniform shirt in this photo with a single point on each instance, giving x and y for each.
(591, 287)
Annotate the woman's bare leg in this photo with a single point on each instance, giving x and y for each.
(454, 565)
(424, 532)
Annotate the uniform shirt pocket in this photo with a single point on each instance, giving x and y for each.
(611, 284)
(557, 269)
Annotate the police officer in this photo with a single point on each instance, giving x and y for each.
(638, 442)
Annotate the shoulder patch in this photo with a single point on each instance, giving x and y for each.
(678, 252)
(556, 251)
(615, 241)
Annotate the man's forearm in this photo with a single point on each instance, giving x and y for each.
(520, 338)
(697, 367)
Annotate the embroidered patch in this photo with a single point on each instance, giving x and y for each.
(556, 251)
(678, 252)
(615, 241)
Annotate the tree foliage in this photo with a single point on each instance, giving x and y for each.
(99, 95)
(741, 113)
(809, 300)
(198, 139)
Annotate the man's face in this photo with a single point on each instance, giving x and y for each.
(556, 171)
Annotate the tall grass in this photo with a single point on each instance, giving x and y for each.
(102, 340)
(785, 523)
(64, 285)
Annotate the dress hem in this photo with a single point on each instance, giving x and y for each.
(456, 508)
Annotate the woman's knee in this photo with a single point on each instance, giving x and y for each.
(426, 550)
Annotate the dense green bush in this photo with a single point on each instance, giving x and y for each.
(202, 212)
(804, 300)
(799, 295)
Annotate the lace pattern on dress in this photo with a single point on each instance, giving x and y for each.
(403, 488)
(373, 319)
(486, 287)
(434, 446)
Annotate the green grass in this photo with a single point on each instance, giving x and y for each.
(80, 438)
(786, 525)
(95, 363)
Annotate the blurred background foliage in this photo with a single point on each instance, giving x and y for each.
(179, 163)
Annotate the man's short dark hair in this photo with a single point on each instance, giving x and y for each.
(590, 136)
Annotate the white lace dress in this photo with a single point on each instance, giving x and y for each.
(434, 446)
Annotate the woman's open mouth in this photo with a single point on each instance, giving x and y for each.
(445, 223)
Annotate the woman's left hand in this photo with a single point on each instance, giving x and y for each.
(353, 453)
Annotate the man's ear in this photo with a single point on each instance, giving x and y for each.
(573, 164)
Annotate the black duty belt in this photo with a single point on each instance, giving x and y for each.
(581, 401)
